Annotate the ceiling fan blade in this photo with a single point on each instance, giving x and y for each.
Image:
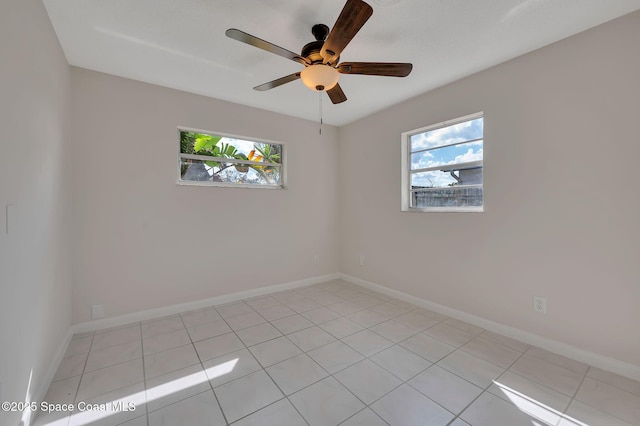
(264, 45)
(353, 16)
(336, 94)
(389, 69)
(278, 82)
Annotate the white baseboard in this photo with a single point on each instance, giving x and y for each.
(609, 364)
(596, 360)
(117, 321)
(39, 395)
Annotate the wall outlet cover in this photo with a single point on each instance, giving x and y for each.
(97, 312)
(539, 304)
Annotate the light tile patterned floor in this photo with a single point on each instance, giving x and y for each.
(328, 354)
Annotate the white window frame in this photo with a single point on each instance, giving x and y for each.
(406, 168)
(282, 164)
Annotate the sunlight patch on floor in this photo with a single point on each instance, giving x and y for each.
(542, 414)
(138, 399)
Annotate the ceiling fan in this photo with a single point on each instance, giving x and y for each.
(321, 57)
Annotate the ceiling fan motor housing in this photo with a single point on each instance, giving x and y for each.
(311, 51)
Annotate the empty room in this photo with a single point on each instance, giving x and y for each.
(278, 212)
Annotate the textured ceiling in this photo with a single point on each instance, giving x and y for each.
(182, 44)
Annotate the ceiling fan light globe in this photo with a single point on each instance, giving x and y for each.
(319, 77)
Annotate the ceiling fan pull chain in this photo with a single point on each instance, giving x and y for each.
(320, 104)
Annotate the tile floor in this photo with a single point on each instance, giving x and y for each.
(328, 354)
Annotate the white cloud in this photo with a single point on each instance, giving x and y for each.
(423, 161)
(447, 135)
(470, 155)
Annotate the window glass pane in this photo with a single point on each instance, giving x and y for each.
(229, 172)
(455, 196)
(222, 146)
(455, 154)
(442, 179)
(465, 131)
(432, 179)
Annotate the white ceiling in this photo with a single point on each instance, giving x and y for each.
(182, 44)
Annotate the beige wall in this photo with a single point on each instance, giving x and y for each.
(561, 199)
(143, 242)
(35, 294)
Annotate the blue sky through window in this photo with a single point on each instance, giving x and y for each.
(440, 151)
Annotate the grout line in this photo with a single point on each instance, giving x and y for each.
(204, 371)
(144, 376)
(224, 416)
(365, 408)
(264, 369)
(98, 369)
(564, 414)
(485, 389)
(84, 368)
(75, 395)
(170, 372)
(575, 394)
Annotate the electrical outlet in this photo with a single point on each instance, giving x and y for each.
(539, 304)
(316, 259)
(97, 312)
(362, 260)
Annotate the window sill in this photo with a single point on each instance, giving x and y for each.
(228, 185)
(444, 210)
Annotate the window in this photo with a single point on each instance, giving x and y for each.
(442, 166)
(225, 160)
